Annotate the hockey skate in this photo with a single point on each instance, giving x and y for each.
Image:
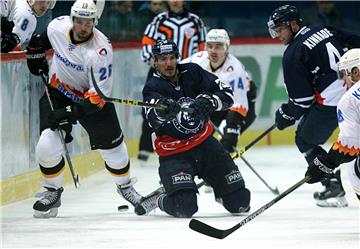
(333, 195)
(129, 193)
(47, 206)
(150, 202)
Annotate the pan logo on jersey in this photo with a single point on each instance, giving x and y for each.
(181, 178)
(234, 176)
(184, 122)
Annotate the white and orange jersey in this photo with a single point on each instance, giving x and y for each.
(232, 73)
(24, 19)
(70, 68)
(348, 111)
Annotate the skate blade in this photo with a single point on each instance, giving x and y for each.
(52, 213)
(336, 202)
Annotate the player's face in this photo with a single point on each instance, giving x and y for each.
(217, 51)
(82, 28)
(166, 65)
(40, 7)
(284, 34)
(350, 78)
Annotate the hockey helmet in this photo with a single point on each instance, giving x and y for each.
(348, 61)
(85, 9)
(282, 16)
(165, 47)
(218, 35)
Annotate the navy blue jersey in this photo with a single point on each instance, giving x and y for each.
(309, 65)
(192, 81)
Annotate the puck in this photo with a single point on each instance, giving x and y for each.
(123, 208)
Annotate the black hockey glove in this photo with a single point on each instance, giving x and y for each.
(283, 119)
(61, 117)
(37, 62)
(8, 42)
(251, 94)
(229, 141)
(320, 169)
(171, 110)
(203, 106)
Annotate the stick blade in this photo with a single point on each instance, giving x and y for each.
(205, 229)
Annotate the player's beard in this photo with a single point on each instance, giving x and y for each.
(169, 73)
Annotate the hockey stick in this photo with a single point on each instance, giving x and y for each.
(243, 150)
(129, 102)
(208, 230)
(75, 177)
(275, 190)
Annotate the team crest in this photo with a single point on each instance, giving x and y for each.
(103, 51)
(184, 122)
(229, 69)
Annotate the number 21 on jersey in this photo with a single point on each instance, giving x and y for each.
(105, 72)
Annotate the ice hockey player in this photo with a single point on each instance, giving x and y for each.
(347, 146)
(184, 140)
(217, 60)
(18, 21)
(78, 47)
(309, 69)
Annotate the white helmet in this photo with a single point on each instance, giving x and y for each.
(218, 35)
(349, 60)
(85, 9)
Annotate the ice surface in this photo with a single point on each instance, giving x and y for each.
(88, 217)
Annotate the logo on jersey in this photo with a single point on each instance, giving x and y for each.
(103, 51)
(184, 122)
(71, 47)
(229, 69)
(189, 32)
(181, 178)
(340, 116)
(68, 63)
(233, 177)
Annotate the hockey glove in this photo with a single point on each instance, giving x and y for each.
(283, 119)
(320, 169)
(172, 108)
(8, 42)
(229, 141)
(61, 117)
(203, 106)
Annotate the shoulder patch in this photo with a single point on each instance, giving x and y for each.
(229, 69)
(102, 51)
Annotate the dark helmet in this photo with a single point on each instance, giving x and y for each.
(283, 16)
(165, 47)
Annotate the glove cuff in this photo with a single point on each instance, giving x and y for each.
(215, 100)
(284, 115)
(322, 167)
